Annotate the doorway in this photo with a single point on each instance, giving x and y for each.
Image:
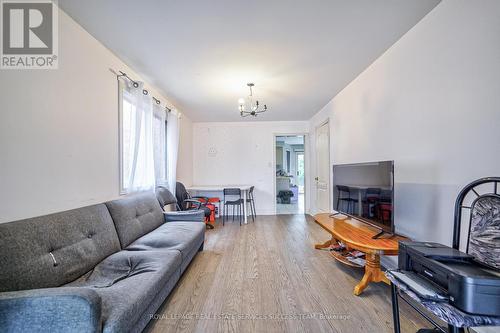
(323, 168)
(290, 174)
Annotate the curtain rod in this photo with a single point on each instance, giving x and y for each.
(144, 91)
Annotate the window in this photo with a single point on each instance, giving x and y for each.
(142, 141)
(160, 144)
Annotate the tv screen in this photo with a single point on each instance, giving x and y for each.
(365, 191)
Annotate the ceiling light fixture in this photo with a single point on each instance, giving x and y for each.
(247, 106)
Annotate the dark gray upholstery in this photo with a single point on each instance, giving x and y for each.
(54, 310)
(182, 236)
(161, 295)
(127, 282)
(187, 215)
(78, 239)
(135, 215)
(98, 286)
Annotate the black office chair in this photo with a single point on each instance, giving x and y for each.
(251, 201)
(232, 192)
(344, 196)
(166, 198)
(482, 242)
(186, 202)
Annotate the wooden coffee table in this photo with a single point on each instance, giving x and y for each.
(357, 235)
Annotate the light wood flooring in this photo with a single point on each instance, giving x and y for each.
(267, 277)
(292, 208)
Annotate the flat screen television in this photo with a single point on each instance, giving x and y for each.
(365, 191)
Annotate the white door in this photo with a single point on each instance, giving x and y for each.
(323, 168)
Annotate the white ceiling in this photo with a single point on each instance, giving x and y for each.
(201, 53)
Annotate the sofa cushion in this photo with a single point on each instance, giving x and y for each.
(127, 283)
(182, 236)
(52, 250)
(135, 215)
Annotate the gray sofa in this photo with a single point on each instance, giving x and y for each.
(105, 267)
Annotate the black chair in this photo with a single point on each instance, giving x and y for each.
(384, 209)
(370, 201)
(344, 196)
(251, 201)
(483, 236)
(166, 198)
(232, 192)
(482, 241)
(186, 202)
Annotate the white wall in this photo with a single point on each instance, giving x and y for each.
(431, 103)
(241, 153)
(59, 129)
(185, 158)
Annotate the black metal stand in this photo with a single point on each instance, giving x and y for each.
(395, 315)
(395, 308)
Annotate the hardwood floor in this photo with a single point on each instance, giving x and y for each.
(267, 277)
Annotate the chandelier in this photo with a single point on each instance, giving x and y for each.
(248, 107)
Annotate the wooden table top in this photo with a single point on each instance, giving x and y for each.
(358, 234)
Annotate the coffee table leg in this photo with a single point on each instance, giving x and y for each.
(367, 278)
(373, 273)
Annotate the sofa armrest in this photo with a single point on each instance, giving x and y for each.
(187, 215)
(64, 309)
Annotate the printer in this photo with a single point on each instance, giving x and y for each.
(469, 285)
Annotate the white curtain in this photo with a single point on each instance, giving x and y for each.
(173, 124)
(159, 142)
(137, 139)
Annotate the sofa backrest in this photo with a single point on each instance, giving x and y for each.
(135, 215)
(52, 250)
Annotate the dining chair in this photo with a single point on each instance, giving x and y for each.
(384, 207)
(370, 201)
(237, 203)
(251, 201)
(344, 196)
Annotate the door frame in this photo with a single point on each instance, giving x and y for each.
(330, 204)
(306, 158)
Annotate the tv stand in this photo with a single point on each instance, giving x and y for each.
(356, 235)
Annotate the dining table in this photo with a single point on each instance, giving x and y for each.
(202, 189)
